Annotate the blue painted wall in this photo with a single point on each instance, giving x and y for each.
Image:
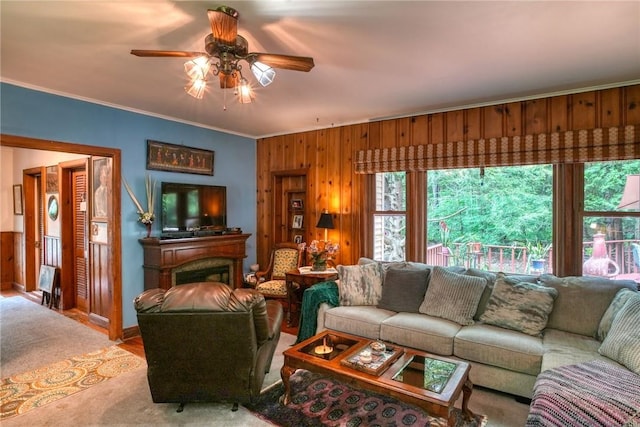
(35, 114)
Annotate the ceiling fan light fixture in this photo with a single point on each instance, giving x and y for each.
(196, 88)
(263, 73)
(244, 92)
(197, 68)
(224, 48)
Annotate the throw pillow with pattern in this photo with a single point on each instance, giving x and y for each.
(360, 284)
(452, 296)
(519, 306)
(622, 343)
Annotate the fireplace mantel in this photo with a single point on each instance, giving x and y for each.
(162, 256)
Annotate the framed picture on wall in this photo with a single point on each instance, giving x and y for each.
(179, 158)
(297, 238)
(296, 204)
(51, 179)
(101, 187)
(297, 221)
(17, 199)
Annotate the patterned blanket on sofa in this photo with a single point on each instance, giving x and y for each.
(594, 393)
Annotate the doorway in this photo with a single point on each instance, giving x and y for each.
(111, 252)
(33, 227)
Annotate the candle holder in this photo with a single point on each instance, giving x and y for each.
(325, 347)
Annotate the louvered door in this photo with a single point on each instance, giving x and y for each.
(79, 179)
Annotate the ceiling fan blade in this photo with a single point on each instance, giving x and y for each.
(224, 24)
(227, 81)
(286, 62)
(166, 53)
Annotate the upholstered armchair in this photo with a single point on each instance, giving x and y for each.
(271, 282)
(205, 342)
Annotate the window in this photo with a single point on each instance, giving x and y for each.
(502, 218)
(611, 219)
(390, 216)
(490, 218)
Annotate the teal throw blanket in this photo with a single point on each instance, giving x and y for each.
(311, 300)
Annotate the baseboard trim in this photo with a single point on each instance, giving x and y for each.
(130, 332)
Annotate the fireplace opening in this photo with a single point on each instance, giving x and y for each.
(206, 270)
(211, 274)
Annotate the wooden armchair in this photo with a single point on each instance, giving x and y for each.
(271, 282)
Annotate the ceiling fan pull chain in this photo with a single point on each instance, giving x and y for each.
(224, 96)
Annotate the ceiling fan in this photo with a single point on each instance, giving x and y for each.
(224, 49)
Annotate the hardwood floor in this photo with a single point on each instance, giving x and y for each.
(133, 345)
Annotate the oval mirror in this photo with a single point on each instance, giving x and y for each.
(52, 208)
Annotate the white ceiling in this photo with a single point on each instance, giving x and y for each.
(373, 59)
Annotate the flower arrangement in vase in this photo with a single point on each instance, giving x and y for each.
(146, 217)
(320, 251)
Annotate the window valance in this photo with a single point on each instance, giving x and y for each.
(576, 146)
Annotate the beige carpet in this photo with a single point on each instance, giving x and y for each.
(126, 401)
(32, 336)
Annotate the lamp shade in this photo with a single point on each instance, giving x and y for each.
(325, 221)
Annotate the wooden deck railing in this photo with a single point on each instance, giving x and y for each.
(514, 259)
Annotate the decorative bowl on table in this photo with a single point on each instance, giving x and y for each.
(365, 356)
(378, 347)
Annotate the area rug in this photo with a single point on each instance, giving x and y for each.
(22, 392)
(320, 401)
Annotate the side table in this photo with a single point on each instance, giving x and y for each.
(304, 281)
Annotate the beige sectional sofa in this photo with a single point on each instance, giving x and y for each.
(502, 357)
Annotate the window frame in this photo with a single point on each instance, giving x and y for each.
(568, 214)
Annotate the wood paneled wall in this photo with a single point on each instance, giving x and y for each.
(328, 153)
(7, 260)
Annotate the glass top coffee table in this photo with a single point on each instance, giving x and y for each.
(431, 382)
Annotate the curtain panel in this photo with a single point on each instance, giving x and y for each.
(575, 146)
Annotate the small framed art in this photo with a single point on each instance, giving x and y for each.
(297, 221)
(101, 190)
(17, 200)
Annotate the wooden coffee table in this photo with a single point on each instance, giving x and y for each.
(403, 379)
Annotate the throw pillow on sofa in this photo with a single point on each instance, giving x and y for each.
(491, 280)
(452, 296)
(519, 306)
(581, 301)
(360, 284)
(617, 303)
(622, 343)
(403, 289)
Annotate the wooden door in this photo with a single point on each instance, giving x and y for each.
(78, 197)
(33, 226)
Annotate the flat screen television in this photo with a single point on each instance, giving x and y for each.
(191, 207)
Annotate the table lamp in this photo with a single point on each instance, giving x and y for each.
(326, 222)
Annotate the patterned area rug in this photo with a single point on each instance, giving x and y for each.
(321, 401)
(22, 392)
